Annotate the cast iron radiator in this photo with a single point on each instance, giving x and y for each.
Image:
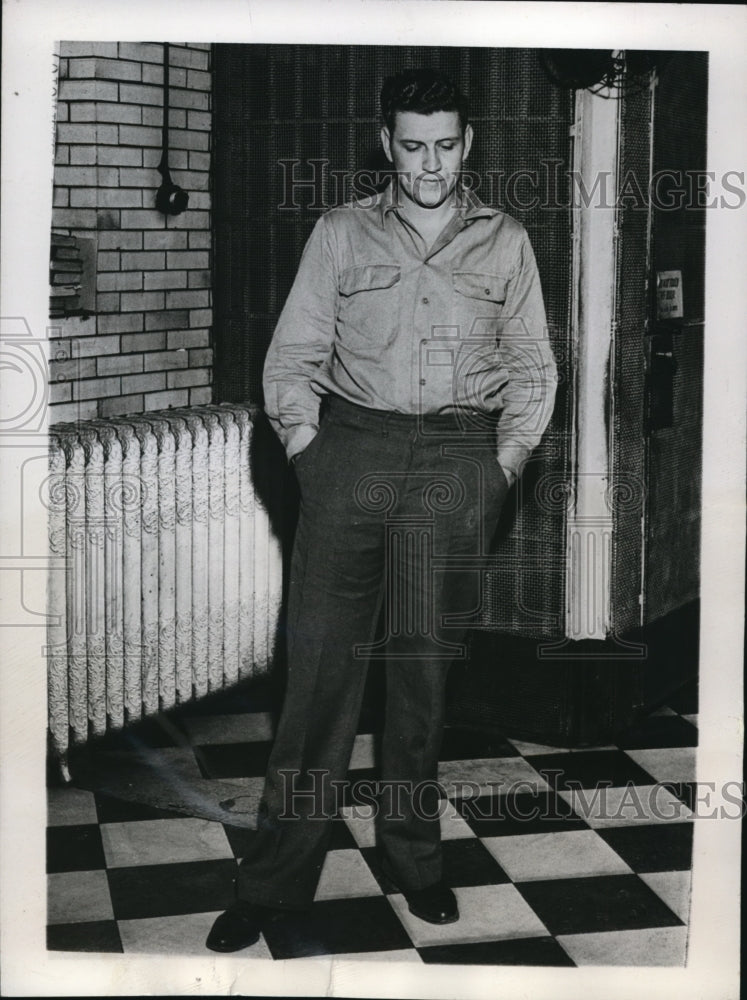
(172, 576)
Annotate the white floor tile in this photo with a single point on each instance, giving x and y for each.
(363, 751)
(453, 826)
(361, 823)
(212, 730)
(399, 955)
(651, 946)
(668, 764)
(77, 897)
(164, 765)
(594, 749)
(491, 776)
(536, 748)
(184, 934)
(236, 799)
(487, 913)
(70, 806)
(346, 875)
(673, 888)
(575, 854)
(626, 806)
(532, 749)
(163, 841)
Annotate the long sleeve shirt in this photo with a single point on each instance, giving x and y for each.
(380, 319)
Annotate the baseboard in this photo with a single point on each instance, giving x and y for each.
(573, 694)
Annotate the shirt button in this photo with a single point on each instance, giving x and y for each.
(422, 381)
(487, 291)
(425, 300)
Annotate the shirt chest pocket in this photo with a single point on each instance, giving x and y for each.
(478, 302)
(368, 308)
(479, 287)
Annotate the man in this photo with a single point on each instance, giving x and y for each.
(409, 378)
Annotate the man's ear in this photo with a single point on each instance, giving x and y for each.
(386, 142)
(468, 135)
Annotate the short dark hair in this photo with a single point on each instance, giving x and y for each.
(423, 91)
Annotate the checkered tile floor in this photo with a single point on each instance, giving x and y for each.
(557, 857)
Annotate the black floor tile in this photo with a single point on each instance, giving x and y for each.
(660, 847)
(341, 839)
(518, 813)
(239, 837)
(337, 926)
(370, 722)
(261, 694)
(659, 731)
(74, 848)
(685, 791)
(685, 701)
(234, 760)
(589, 769)
(591, 905)
(372, 857)
(468, 744)
(165, 890)
(360, 788)
(516, 951)
(373, 707)
(96, 935)
(155, 732)
(112, 810)
(467, 861)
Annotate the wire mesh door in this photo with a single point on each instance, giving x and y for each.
(292, 126)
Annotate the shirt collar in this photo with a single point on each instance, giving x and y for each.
(473, 208)
(470, 206)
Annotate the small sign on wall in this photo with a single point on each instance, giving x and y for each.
(669, 295)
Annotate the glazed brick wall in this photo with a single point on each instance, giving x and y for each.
(148, 343)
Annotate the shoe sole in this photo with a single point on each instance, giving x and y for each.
(429, 920)
(246, 943)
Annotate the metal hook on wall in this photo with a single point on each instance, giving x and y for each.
(170, 198)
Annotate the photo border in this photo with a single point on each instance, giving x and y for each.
(31, 30)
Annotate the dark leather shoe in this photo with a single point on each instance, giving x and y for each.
(436, 903)
(238, 927)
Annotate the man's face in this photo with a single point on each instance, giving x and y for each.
(427, 152)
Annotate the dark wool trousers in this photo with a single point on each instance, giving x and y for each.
(395, 512)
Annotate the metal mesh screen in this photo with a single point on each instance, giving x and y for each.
(276, 104)
(674, 457)
(629, 376)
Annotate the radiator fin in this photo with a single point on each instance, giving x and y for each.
(172, 575)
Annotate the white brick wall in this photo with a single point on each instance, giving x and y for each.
(148, 344)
